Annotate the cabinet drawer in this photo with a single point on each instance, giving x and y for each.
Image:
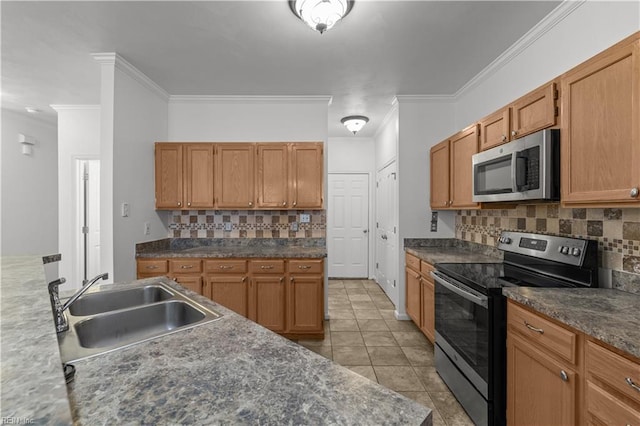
(274, 266)
(185, 266)
(225, 266)
(613, 369)
(426, 269)
(152, 266)
(306, 266)
(607, 408)
(543, 332)
(412, 261)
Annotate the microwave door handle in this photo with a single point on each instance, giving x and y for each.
(514, 172)
(482, 301)
(521, 161)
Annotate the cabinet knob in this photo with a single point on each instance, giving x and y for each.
(632, 384)
(564, 376)
(250, 203)
(504, 138)
(514, 132)
(244, 279)
(189, 204)
(295, 203)
(284, 203)
(633, 193)
(179, 203)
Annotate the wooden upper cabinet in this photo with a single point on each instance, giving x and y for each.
(169, 182)
(495, 129)
(199, 175)
(601, 128)
(272, 182)
(439, 197)
(235, 175)
(534, 111)
(306, 175)
(462, 146)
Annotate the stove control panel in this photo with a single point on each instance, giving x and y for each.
(550, 247)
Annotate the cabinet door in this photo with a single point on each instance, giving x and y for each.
(306, 176)
(427, 315)
(191, 282)
(231, 291)
(273, 178)
(199, 176)
(463, 145)
(412, 299)
(540, 390)
(169, 184)
(534, 111)
(235, 178)
(494, 129)
(440, 163)
(268, 302)
(305, 307)
(601, 129)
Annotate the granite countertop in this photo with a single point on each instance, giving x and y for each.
(230, 371)
(609, 315)
(449, 250)
(236, 248)
(33, 385)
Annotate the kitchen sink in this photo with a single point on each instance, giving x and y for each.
(114, 319)
(104, 301)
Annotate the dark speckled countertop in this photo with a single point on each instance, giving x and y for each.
(230, 371)
(609, 315)
(236, 248)
(449, 250)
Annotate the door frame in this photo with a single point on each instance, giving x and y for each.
(372, 220)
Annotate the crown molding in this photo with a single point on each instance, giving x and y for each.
(556, 16)
(74, 107)
(387, 117)
(112, 58)
(250, 99)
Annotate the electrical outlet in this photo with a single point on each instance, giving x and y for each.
(434, 221)
(293, 226)
(305, 218)
(147, 228)
(228, 226)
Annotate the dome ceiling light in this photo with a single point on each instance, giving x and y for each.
(321, 15)
(355, 122)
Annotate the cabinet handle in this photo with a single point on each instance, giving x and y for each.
(186, 267)
(151, 267)
(514, 132)
(632, 384)
(225, 267)
(417, 276)
(291, 279)
(281, 280)
(244, 279)
(266, 267)
(633, 193)
(564, 376)
(530, 327)
(304, 266)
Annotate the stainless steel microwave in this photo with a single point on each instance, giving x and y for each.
(525, 169)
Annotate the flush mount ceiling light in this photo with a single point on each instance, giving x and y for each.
(321, 15)
(355, 122)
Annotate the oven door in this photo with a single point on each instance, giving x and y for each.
(462, 329)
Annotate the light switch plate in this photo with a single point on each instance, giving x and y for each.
(125, 209)
(305, 218)
(293, 226)
(228, 226)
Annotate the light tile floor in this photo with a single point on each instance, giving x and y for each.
(364, 336)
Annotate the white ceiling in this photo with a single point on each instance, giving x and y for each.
(381, 49)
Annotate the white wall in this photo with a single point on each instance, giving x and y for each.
(140, 119)
(386, 139)
(78, 138)
(29, 187)
(590, 28)
(357, 155)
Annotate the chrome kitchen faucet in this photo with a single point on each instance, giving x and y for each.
(58, 308)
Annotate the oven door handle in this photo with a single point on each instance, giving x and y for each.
(478, 300)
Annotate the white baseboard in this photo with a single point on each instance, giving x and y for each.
(401, 317)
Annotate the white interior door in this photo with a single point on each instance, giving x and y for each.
(348, 225)
(93, 219)
(386, 229)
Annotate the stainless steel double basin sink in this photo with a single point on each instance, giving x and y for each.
(111, 319)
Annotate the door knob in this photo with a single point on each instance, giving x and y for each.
(364, 231)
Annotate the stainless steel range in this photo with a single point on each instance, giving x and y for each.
(470, 311)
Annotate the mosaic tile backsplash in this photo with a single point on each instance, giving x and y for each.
(246, 224)
(616, 230)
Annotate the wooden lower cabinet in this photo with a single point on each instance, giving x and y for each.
(283, 295)
(420, 295)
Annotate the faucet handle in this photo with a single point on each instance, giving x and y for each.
(57, 282)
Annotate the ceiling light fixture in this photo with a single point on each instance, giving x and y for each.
(32, 110)
(321, 15)
(355, 122)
